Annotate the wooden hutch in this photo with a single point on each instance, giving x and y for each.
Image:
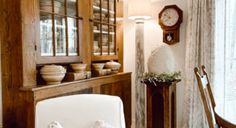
(34, 33)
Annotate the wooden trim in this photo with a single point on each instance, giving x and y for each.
(85, 46)
(104, 57)
(66, 29)
(58, 59)
(62, 15)
(53, 31)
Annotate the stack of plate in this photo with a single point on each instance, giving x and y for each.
(46, 5)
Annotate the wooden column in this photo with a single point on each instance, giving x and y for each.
(161, 105)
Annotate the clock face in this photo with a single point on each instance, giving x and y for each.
(169, 17)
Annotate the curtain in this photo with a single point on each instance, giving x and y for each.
(199, 51)
(225, 62)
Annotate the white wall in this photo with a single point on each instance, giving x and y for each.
(152, 39)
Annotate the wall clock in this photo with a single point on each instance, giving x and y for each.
(170, 19)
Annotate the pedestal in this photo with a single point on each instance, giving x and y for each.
(161, 104)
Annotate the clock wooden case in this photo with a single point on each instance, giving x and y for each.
(170, 18)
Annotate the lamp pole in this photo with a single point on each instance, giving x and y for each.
(139, 70)
(139, 10)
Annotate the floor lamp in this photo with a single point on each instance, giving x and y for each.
(139, 10)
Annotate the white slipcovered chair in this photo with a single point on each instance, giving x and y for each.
(80, 111)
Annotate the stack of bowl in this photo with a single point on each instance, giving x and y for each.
(98, 66)
(114, 66)
(99, 71)
(52, 74)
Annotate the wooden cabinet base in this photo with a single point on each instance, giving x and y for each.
(21, 111)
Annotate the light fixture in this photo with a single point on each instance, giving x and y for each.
(139, 10)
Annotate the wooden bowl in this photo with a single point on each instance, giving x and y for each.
(98, 66)
(53, 74)
(78, 67)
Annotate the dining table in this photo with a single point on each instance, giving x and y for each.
(227, 111)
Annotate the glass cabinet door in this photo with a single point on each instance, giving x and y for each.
(59, 28)
(104, 24)
(46, 34)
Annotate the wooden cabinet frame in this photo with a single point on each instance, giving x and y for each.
(19, 34)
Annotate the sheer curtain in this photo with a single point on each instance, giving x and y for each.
(224, 80)
(199, 50)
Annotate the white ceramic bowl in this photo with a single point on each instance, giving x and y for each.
(114, 66)
(98, 66)
(78, 67)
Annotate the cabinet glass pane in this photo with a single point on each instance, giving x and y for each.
(72, 36)
(105, 4)
(105, 44)
(105, 40)
(96, 3)
(105, 17)
(59, 6)
(105, 13)
(97, 38)
(112, 11)
(96, 10)
(46, 5)
(46, 34)
(105, 29)
(112, 18)
(60, 36)
(112, 40)
(71, 7)
(112, 6)
(96, 15)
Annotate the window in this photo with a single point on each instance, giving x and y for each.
(225, 55)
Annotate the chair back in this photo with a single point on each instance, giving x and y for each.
(206, 95)
(80, 111)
